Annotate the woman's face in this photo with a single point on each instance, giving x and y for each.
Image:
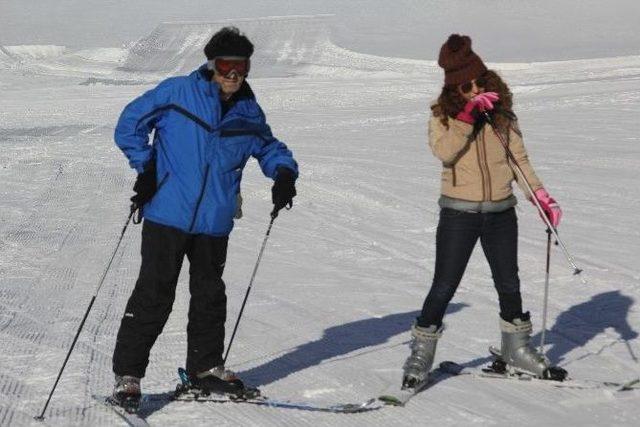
(470, 89)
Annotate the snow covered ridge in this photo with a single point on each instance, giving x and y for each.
(47, 52)
(31, 51)
(14, 56)
(59, 60)
(285, 45)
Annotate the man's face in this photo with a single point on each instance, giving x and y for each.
(229, 84)
(229, 72)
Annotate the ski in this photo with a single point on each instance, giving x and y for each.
(161, 399)
(132, 419)
(343, 408)
(185, 393)
(402, 396)
(456, 369)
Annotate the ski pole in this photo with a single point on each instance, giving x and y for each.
(576, 271)
(633, 356)
(274, 214)
(86, 314)
(546, 293)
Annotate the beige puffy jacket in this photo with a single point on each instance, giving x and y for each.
(477, 169)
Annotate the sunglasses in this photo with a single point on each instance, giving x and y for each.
(468, 86)
(226, 65)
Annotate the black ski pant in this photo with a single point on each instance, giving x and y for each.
(163, 250)
(456, 236)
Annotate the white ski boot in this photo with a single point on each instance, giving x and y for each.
(423, 350)
(519, 356)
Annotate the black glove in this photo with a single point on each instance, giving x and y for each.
(145, 186)
(283, 190)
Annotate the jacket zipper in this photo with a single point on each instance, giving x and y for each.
(204, 185)
(478, 155)
(486, 164)
(206, 174)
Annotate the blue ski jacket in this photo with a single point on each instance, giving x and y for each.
(199, 154)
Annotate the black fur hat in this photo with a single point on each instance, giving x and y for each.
(229, 41)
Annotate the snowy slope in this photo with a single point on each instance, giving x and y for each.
(346, 270)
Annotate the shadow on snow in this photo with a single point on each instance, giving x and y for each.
(336, 341)
(581, 323)
(578, 325)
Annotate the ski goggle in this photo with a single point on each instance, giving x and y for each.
(226, 65)
(468, 86)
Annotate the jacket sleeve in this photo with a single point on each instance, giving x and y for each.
(272, 153)
(138, 119)
(445, 143)
(520, 154)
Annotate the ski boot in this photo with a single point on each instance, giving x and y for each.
(221, 381)
(126, 393)
(517, 354)
(423, 350)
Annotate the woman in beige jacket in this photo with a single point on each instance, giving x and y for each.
(477, 203)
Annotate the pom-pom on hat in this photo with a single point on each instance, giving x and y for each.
(460, 63)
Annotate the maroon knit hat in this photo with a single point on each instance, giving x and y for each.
(460, 63)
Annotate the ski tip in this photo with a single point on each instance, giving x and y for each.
(389, 400)
(630, 385)
(352, 408)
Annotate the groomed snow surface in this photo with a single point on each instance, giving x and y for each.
(345, 272)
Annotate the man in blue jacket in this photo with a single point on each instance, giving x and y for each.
(205, 127)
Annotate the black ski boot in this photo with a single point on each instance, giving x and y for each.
(126, 393)
(221, 381)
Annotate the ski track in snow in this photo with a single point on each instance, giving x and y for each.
(345, 272)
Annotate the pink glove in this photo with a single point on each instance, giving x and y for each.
(549, 206)
(482, 102)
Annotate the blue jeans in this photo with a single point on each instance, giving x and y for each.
(457, 234)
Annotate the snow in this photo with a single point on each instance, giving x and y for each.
(345, 272)
(33, 51)
(113, 55)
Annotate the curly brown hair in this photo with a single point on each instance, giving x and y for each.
(450, 102)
